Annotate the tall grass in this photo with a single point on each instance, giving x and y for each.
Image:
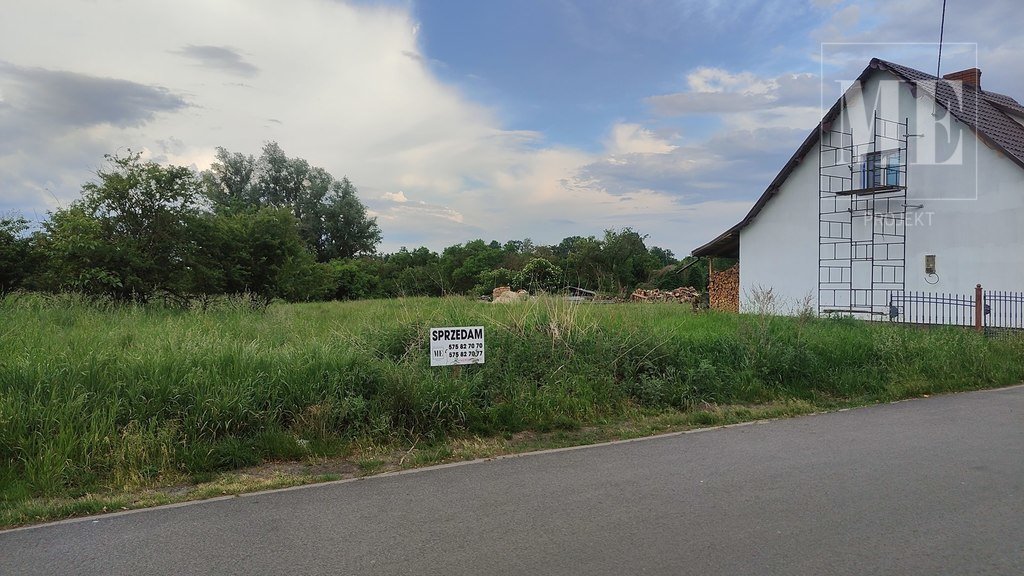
(97, 395)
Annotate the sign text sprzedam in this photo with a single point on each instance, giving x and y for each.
(454, 346)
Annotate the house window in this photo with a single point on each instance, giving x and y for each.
(879, 169)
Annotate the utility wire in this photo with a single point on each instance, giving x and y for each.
(942, 29)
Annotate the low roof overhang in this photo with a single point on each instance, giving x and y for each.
(727, 245)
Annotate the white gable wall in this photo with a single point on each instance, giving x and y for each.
(971, 214)
(976, 237)
(977, 240)
(779, 248)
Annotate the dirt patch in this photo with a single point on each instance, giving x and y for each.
(328, 466)
(524, 437)
(176, 491)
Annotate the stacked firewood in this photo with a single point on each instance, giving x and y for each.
(683, 295)
(724, 290)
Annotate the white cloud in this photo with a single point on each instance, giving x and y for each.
(398, 197)
(718, 80)
(719, 91)
(800, 117)
(627, 138)
(222, 58)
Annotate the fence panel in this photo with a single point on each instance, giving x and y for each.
(1000, 309)
(1004, 309)
(931, 308)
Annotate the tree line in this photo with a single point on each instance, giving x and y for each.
(276, 227)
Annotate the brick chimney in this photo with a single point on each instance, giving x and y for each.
(970, 77)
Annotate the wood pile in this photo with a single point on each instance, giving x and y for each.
(683, 295)
(724, 290)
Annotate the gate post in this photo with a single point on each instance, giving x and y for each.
(979, 308)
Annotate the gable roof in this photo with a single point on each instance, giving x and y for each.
(985, 113)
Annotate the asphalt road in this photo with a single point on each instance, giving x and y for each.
(930, 486)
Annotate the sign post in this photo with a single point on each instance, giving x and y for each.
(456, 346)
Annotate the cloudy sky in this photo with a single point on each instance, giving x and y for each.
(462, 119)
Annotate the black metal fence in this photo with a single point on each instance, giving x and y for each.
(931, 308)
(983, 309)
(1004, 309)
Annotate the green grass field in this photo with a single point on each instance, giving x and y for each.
(96, 397)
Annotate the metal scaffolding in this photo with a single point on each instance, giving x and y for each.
(862, 215)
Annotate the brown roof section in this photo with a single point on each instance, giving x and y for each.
(980, 110)
(983, 112)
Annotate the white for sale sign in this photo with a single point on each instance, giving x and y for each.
(456, 346)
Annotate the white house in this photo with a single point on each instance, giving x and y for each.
(909, 183)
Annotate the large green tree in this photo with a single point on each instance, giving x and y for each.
(411, 273)
(329, 216)
(463, 266)
(258, 253)
(627, 262)
(581, 261)
(228, 184)
(346, 230)
(128, 235)
(540, 274)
